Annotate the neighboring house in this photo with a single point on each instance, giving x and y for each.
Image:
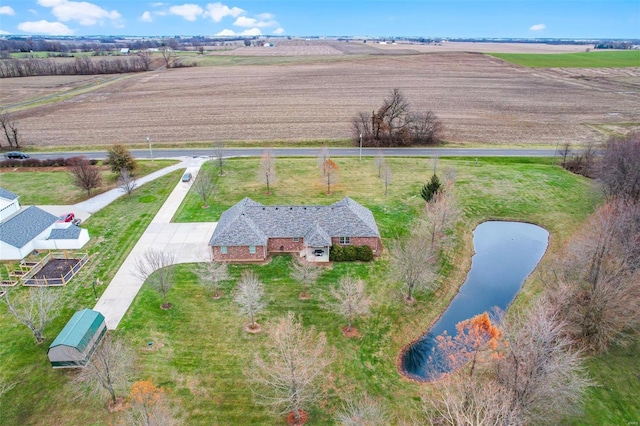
(24, 229)
(124, 51)
(250, 231)
(78, 339)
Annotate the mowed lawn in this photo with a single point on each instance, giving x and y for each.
(199, 351)
(597, 59)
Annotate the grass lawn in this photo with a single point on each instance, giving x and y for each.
(56, 187)
(597, 59)
(200, 352)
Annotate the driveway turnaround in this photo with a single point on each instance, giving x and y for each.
(187, 241)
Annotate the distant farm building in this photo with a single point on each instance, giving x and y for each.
(78, 339)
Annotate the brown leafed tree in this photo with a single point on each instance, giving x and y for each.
(34, 308)
(109, 369)
(267, 173)
(205, 186)
(348, 300)
(148, 406)
(249, 296)
(323, 156)
(213, 275)
(119, 158)
(156, 267)
(330, 170)
(413, 262)
(305, 273)
(85, 175)
(289, 376)
(126, 182)
(9, 128)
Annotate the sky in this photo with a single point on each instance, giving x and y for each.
(383, 18)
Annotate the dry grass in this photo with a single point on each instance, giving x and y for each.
(480, 99)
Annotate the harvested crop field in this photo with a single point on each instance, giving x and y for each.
(481, 99)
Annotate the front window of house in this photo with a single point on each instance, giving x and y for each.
(223, 249)
(296, 239)
(345, 240)
(252, 249)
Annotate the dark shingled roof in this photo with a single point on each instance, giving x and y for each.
(70, 233)
(251, 223)
(25, 225)
(7, 194)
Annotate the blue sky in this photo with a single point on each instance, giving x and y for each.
(426, 18)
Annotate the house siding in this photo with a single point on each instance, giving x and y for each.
(239, 254)
(373, 242)
(287, 244)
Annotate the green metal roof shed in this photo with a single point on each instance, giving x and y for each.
(77, 340)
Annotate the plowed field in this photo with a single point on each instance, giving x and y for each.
(479, 98)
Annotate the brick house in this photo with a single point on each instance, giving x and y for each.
(250, 231)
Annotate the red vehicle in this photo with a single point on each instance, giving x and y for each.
(67, 217)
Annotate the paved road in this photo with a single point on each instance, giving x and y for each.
(312, 152)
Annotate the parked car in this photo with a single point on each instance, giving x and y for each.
(186, 177)
(69, 217)
(16, 155)
(318, 252)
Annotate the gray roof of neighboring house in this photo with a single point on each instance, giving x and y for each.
(22, 227)
(70, 233)
(7, 194)
(251, 223)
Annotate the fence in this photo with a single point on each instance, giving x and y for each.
(30, 280)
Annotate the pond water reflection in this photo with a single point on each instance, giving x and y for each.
(505, 254)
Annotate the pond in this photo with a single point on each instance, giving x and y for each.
(505, 254)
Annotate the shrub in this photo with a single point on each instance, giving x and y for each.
(365, 254)
(336, 253)
(350, 253)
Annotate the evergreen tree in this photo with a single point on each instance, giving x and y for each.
(431, 188)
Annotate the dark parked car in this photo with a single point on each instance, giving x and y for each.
(16, 155)
(186, 177)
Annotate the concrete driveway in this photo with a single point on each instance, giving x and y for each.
(187, 241)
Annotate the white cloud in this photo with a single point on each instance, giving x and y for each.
(146, 16)
(217, 11)
(45, 27)
(188, 11)
(538, 27)
(278, 31)
(157, 4)
(83, 12)
(7, 10)
(249, 32)
(4, 32)
(264, 20)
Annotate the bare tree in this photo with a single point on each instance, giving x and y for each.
(348, 300)
(10, 128)
(387, 178)
(108, 369)
(127, 182)
(85, 175)
(564, 152)
(205, 186)
(541, 372)
(213, 274)
(619, 169)
(157, 268)
(425, 128)
(363, 410)
(267, 173)
(250, 297)
(145, 59)
(34, 308)
(169, 55)
(218, 154)
(330, 170)
(439, 217)
(323, 156)
(305, 273)
(413, 262)
(288, 377)
(598, 282)
(380, 163)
